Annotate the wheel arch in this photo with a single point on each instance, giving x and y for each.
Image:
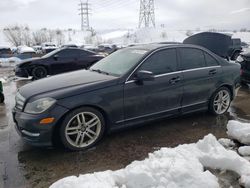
(32, 66)
(228, 86)
(55, 133)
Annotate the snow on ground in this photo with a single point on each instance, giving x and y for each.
(244, 36)
(182, 166)
(114, 34)
(239, 131)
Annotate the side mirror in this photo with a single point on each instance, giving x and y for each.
(55, 57)
(143, 75)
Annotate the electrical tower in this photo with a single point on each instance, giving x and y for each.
(84, 13)
(147, 13)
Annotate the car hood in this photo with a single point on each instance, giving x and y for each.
(29, 60)
(67, 84)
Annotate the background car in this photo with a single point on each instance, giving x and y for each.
(55, 62)
(244, 60)
(130, 86)
(48, 47)
(5, 52)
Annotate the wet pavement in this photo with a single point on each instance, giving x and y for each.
(24, 166)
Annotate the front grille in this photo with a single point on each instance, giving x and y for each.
(19, 101)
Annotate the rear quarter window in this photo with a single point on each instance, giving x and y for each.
(210, 61)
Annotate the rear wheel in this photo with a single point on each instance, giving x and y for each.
(220, 101)
(39, 72)
(82, 129)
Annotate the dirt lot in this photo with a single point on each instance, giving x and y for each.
(24, 166)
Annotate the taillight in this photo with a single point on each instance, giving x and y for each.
(241, 72)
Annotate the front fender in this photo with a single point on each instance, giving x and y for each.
(109, 100)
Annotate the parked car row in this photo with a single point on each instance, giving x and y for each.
(131, 86)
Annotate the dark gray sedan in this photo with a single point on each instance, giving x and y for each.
(131, 86)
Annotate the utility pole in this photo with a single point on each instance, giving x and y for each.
(147, 13)
(84, 13)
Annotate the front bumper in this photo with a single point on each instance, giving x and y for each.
(29, 128)
(20, 72)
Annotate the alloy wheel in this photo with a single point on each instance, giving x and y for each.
(221, 101)
(83, 129)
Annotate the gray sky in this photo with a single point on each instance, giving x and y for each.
(111, 14)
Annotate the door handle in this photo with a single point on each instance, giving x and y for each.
(174, 80)
(212, 72)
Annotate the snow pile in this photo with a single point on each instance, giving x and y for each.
(182, 166)
(227, 143)
(244, 150)
(239, 131)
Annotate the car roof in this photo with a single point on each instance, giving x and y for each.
(151, 47)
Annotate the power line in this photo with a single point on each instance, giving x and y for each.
(147, 13)
(84, 13)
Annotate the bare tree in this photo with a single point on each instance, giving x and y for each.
(25, 34)
(60, 38)
(18, 35)
(13, 35)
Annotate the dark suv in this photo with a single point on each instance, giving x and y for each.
(131, 86)
(58, 61)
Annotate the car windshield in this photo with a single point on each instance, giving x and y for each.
(120, 62)
(52, 53)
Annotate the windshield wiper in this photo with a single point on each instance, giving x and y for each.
(99, 71)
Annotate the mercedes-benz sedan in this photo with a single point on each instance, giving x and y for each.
(131, 86)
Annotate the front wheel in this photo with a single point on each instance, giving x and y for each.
(220, 101)
(39, 72)
(82, 129)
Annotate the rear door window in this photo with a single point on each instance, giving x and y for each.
(161, 62)
(191, 58)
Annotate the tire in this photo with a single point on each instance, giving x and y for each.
(39, 72)
(1, 97)
(77, 134)
(220, 101)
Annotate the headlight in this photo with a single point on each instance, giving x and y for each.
(239, 59)
(39, 106)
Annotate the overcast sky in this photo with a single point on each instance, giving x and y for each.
(109, 14)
